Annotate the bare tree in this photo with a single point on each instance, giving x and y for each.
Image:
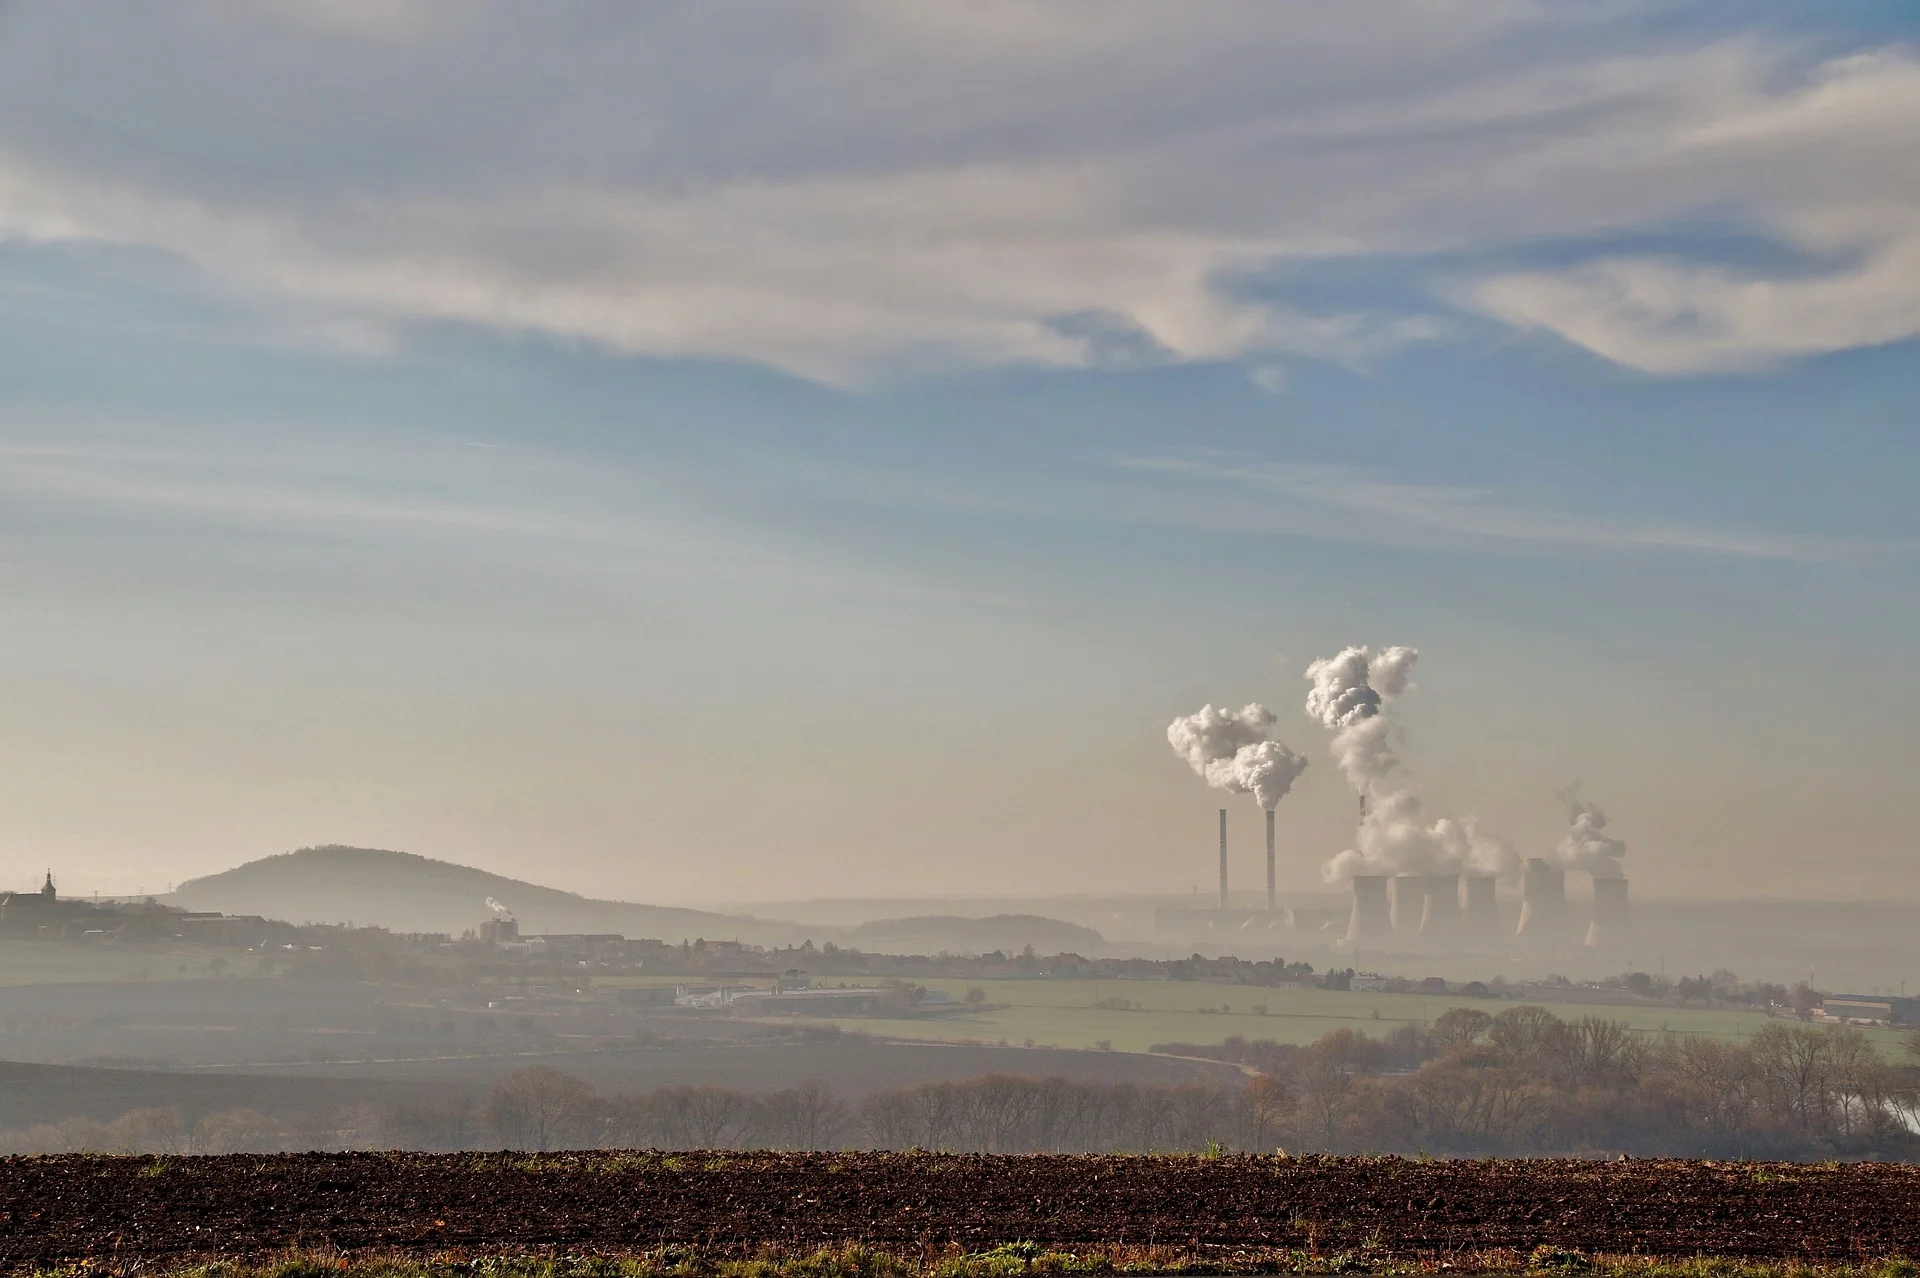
(540, 1107)
(810, 1116)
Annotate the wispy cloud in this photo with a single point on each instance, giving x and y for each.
(1465, 517)
(880, 190)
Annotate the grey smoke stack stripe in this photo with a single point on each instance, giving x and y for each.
(1408, 894)
(1482, 923)
(1223, 858)
(1543, 901)
(1272, 904)
(1372, 920)
(1440, 920)
(1610, 919)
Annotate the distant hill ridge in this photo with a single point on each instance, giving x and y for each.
(406, 892)
(1009, 932)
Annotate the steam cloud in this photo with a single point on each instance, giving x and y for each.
(1586, 847)
(1351, 696)
(1230, 750)
(499, 909)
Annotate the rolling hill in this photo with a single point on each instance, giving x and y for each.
(409, 893)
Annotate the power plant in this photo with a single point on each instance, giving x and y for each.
(1421, 882)
(1419, 913)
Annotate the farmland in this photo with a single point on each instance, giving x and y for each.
(1358, 1213)
(40, 963)
(1131, 1016)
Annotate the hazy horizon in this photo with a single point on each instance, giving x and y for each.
(731, 454)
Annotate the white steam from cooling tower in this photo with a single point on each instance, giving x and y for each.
(1230, 750)
(1587, 847)
(1352, 696)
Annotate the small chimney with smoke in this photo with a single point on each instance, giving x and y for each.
(501, 928)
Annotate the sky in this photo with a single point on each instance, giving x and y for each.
(736, 452)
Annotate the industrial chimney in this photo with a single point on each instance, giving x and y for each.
(1440, 921)
(1482, 923)
(1272, 904)
(1223, 858)
(1609, 925)
(1543, 901)
(1372, 921)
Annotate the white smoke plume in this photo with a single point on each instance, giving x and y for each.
(1587, 847)
(1346, 697)
(499, 909)
(1349, 696)
(1267, 770)
(1230, 751)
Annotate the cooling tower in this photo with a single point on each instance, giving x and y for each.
(1543, 902)
(1270, 897)
(1481, 927)
(1372, 921)
(1408, 894)
(1440, 920)
(1223, 858)
(1609, 926)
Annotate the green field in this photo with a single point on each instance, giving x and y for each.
(51, 963)
(1054, 1013)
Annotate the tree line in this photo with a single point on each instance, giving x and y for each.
(1523, 1081)
(1528, 1082)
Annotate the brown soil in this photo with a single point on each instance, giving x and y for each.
(72, 1207)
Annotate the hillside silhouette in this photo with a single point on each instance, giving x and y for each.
(409, 893)
(405, 892)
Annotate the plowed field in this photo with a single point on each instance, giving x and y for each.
(69, 1207)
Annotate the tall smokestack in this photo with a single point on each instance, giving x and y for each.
(1440, 920)
(1272, 903)
(1223, 858)
(1372, 920)
(1408, 894)
(1609, 926)
(1543, 901)
(1482, 923)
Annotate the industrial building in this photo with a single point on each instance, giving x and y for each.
(1876, 1009)
(1417, 913)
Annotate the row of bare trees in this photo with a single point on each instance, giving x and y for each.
(1520, 1082)
(167, 1129)
(541, 1107)
(1523, 1081)
(544, 1108)
(1526, 1081)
